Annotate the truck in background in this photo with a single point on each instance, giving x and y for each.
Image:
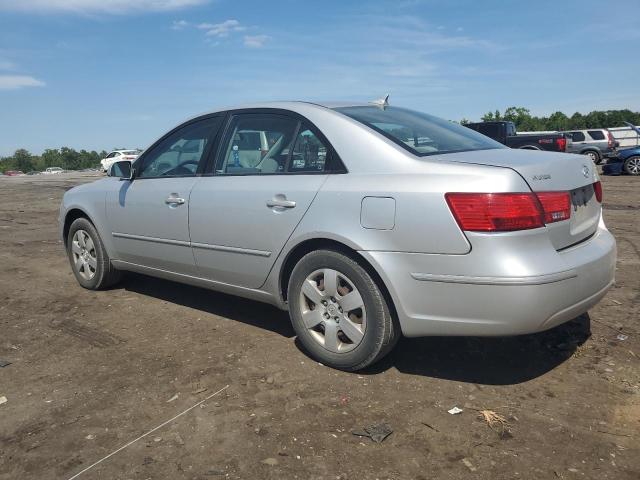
(505, 133)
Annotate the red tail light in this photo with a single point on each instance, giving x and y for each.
(555, 205)
(495, 212)
(609, 139)
(562, 144)
(597, 188)
(505, 212)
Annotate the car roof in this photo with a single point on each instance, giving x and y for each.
(293, 105)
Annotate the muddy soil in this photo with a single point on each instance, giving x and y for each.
(91, 371)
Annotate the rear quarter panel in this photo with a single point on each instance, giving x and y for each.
(423, 222)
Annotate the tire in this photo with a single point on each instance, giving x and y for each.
(595, 157)
(370, 331)
(89, 260)
(632, 165)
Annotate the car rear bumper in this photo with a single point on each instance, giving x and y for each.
(431, 302)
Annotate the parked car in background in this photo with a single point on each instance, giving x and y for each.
(13, 173)
(53, 171)
(624, 161)
(118, 156)
(365, 222)
(597, 144)
(505, 133)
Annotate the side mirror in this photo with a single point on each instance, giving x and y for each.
(123, 170)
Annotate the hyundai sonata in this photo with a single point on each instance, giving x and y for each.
(364, 221)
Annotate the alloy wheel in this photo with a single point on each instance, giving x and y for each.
(633, 165)
(333, 310)
(84, 254)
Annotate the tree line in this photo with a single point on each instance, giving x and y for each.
(559, 121)
(65, 157)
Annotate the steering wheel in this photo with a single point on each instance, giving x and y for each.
(181, 169)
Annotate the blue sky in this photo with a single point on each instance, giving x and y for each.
(100, 74)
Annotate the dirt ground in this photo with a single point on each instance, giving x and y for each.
(92, 371)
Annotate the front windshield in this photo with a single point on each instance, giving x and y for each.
(419, 133)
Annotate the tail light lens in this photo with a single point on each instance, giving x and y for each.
(562, 144)
(506, 212)
(495, 212)
(609, 139)
(597, 188)
(556, 206)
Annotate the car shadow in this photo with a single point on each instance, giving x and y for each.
(252, 313)
(487, 360)
(480, 360)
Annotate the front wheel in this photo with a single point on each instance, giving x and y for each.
(338, 311)
(88, 257)
(632, 165)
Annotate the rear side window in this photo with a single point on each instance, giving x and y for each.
(257, 144)
(309, 153)
(597, 134)
(577, 136)
(419, 133)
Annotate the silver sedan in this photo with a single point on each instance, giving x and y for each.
(364, 221)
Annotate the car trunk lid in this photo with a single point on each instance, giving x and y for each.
(545, 172)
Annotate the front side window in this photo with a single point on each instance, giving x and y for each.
(309, 153)
(419, 133)
(257, 144)
(181, 152)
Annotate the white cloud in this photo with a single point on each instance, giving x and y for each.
(97, 6)
(179, 24)
(222, 29)
(255, 41)
(13, 82)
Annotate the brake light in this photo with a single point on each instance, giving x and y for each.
(556, 206)
(495, 212)
(597, 188)
(506, 212)
(609, 139)
(562, 143)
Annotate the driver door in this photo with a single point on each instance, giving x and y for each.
(149, 216)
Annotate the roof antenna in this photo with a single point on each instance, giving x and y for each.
(381, 102)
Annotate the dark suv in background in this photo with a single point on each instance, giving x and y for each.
(597, 143)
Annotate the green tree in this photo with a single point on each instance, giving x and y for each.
(23, 160)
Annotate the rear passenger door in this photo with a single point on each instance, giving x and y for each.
(268, 170)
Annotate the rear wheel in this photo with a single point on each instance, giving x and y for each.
(632, 165)
(338, 312)
(594, 156)
(89, 259)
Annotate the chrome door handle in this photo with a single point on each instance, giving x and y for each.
(281, 203)
(174, 200)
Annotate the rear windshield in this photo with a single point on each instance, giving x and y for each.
(419, 133)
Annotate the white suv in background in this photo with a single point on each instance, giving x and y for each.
(118, 156)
